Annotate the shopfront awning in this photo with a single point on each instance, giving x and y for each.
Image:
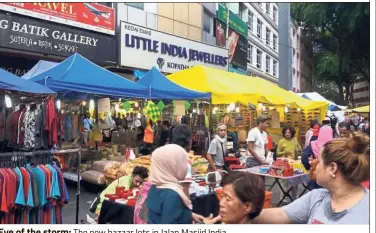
(12, 82)
(160, 87)
(227, 87)
(76, 74)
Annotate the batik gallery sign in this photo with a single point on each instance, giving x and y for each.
(22, 33)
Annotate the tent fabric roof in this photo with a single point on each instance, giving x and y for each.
(78, 75)
(227, 87)
(162, 88)
(12, 82)
(40, 67)
(364, 109)
(317, 97)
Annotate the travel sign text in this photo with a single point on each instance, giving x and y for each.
(154, 46)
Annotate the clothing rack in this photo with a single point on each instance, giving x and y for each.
(54, 152)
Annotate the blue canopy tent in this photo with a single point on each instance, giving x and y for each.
(160, 87)
(40, 67)
(77, 75)
(12, 82)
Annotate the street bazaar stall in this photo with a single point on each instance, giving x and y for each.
(29, 138)
(238, 99)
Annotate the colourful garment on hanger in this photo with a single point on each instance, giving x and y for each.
(32, 195)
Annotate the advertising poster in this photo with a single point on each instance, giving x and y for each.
(86, 15)
(237, 38)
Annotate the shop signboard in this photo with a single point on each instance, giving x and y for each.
(90, 16)
(235, 22)
(16, 65)
(144, 48)
(32, 35)
(237, 45)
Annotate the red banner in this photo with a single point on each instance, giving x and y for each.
(91, 16)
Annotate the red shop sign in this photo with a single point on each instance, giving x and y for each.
(91, 16)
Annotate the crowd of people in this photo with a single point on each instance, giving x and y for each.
(338, 163)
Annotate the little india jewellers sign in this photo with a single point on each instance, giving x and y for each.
(39, 36)
(144, 48)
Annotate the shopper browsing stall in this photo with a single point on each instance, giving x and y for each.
(217, 149)
(312, 133)
(242, 199)
(312, 152)
(138, 176)
(342, 166)
(344, 129)
(167, 202)
(257, 143)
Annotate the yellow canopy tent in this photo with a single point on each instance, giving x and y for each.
(227, 87)
(364, 109)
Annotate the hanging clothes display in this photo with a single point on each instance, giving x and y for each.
(30, 122)
(52, 122)
(75, 128)
(32, 194)
(17, 126)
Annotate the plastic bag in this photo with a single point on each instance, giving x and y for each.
(269, 158)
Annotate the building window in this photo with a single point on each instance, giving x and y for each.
(293, 71)
(250, 54)
(250, 21)
(267, 8)
(275, 68)
(297, 56)
(267, 62)
(293, 32)
(267, 36)
(297, 73)
(293, 52)
(138, 5)
(259, 28)
(275, 41)
(208, 24)
(275, 13)
(258, 59)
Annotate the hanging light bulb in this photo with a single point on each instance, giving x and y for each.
(232, 106)
(58, 104)
(136, 104)
(214, 112)
(84, 103)
(91, 104)
(260, 105)
(194, 110)
(271, 108)
(8, 101)
(62, 111)
(299, 110)
(116, 107)
(119, 99)
(237, 109)
(263, 108)
(286, 109)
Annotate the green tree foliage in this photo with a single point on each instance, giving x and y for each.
(340, 35)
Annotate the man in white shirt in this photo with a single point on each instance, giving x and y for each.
(257, 143)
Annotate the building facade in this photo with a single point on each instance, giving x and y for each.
(263, 40)
(302, 60)
(361, 93)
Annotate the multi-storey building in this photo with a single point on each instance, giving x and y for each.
(302, 60)
(361, 92)
(263, 40)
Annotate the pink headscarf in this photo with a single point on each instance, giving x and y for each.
(168, 167)
(325, 135)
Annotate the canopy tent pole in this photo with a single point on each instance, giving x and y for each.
(78, 185)
(96, 114)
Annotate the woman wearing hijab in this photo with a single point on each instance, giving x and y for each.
(167, 202)
(312, 152)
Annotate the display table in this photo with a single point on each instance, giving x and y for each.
(117, 213)
(301, 179)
